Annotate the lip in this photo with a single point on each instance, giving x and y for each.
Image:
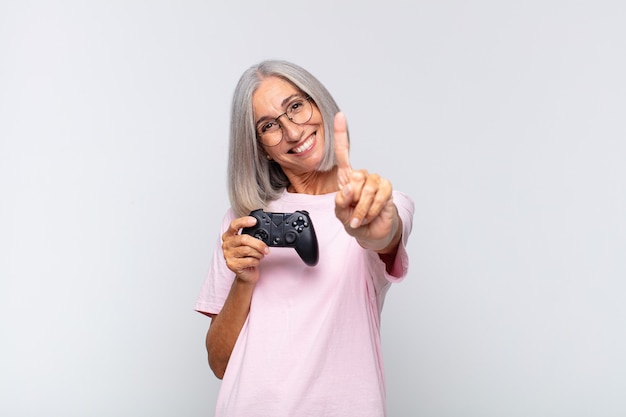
(308, 144)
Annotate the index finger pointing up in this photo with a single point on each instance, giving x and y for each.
(342, 149)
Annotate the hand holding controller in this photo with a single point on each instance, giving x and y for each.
(292, 230)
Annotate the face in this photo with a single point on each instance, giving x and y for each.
(302, 146)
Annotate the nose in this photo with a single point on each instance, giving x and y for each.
(292, 132)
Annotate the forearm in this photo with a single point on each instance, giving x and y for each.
(226, 326)
(389, 246)
(388, 253)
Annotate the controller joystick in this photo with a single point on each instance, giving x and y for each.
(291, 230)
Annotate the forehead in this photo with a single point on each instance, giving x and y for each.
(270, 94)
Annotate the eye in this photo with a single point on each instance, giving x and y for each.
(268, 127)
(295, 106)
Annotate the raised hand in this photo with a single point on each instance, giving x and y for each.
(364, 202)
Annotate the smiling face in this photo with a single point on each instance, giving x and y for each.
(302, 146)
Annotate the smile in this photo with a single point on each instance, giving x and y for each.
(305, 146)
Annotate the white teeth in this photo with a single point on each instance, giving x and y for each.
(306, 145)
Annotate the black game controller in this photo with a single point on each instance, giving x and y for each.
(290, 230)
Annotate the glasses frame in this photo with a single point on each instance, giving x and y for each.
(277, 121)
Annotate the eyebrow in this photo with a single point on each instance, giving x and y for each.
(282, 104)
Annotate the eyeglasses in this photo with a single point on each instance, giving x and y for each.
(299, 111)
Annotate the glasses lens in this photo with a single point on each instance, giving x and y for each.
(270, 133)
(298, 111)
(271, 138)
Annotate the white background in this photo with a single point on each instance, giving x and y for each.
(503, 120)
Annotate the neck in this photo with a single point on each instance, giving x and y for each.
(314, 183)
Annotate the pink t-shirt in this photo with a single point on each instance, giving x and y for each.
(311, 343)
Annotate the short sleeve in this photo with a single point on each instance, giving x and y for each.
(406, 209)
(219, 278)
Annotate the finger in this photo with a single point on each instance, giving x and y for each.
(248, 247)
(342, 144)
(239, 223)
(241, 259)
(234, 229)
(363, 199)
(351, 191)
(242, 247)
(348, 198)
(376, 195)
(342, 149)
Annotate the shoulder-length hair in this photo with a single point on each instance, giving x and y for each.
(253, 180)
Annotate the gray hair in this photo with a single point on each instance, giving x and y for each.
(254, 180)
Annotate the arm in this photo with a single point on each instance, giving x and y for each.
(388, 253)
(364, 203)
(226, 326)
(242, 254)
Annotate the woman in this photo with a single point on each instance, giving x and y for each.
(288, 339)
